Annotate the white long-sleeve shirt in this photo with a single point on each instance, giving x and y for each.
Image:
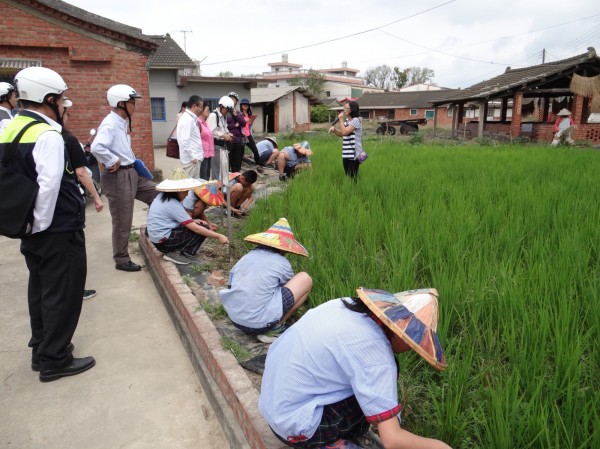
(49, 157)
(188, 138)
(112, 142)
(217, 123)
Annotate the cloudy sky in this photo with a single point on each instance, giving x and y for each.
(463, 41)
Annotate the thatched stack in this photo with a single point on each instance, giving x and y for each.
(587, 87)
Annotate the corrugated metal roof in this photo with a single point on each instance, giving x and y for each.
(393, 100)
(270, 94)
(514, 79)
(15, 63)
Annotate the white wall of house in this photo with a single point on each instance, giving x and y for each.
(302, 114)
(286, 112)
(257, 126)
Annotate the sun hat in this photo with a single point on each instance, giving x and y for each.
(272, 139)
(209, 193)
(244, 101)
(178, 185)
(564, 111)
(412, 315)
(305, 145)
(279, 236)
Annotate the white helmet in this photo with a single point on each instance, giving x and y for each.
(120, 92)
(34, 83)
(226, 102)
(5, 89)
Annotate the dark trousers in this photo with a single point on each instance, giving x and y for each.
(252, 145)
(122, 188)
(205, 168)
(57, 270)
(236, 153)
(181, 239)
(351, 168)
(342, 420)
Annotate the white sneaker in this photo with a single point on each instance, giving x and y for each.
(176, 258)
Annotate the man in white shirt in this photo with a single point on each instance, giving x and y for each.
(54, 247)
(188, 137)
(120, 182)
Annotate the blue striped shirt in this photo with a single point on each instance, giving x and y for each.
(352, 143)
(330, 354)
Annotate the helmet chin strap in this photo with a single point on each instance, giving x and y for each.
(54, 107)
(124, 108)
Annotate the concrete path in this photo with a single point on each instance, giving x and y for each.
(143, 391)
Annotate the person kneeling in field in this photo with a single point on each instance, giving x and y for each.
(170, 228)
(563, 127)
(241, 191)
(292, 159)
(198, 200)
(263, 291)
(334, 373)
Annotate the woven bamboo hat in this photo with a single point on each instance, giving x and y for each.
(210, 193)
(412, 315)
(273, 139)
(279, 236)
(178, 185)
(564, 111)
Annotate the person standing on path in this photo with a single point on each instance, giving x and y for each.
(8, 102)
(246, 109)
(235, 124)
(208, 144)
(351, 133)
(217, 123)
(54, 248)
(188, 138)
(120, 182)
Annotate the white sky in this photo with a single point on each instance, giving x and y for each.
(463, 41)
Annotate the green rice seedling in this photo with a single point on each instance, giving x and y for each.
(239, 352)
(509, 236)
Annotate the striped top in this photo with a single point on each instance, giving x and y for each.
(352, 143)
(329, 354)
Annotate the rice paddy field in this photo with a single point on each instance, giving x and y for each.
(510, 237)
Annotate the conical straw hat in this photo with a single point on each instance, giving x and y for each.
(279, 236)
(209, 193)
(178, 185)
(412, 315)
(564, 111)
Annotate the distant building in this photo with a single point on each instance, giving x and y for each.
(339, 83)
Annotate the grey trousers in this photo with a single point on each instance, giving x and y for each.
(122, 188)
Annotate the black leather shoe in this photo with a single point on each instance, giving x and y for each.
(77, 366)
(128, 266)
(35, 364)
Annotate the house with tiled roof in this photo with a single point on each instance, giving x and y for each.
(89, 51)
(404, 106)
(528, 100)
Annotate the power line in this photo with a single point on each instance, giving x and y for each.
(334, 39)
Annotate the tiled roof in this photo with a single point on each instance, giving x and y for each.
(514, 79)
(271, 94)
(67, 12)
(393, 100)
(169, 54)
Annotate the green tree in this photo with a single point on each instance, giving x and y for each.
(419, 75)
(226, 74)
(399, 77)
(379, 76)
(313, 82)
(319, 113)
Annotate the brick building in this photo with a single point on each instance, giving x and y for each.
(90, 52)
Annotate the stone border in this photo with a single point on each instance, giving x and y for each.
(228, 388)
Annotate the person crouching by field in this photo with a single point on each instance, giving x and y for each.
(334, 372)
(263, 291)
(171, 229)
(292, 159)
(198, 200)
(241, 191)
(563, 127)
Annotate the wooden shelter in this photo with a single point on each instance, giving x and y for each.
(528, 99)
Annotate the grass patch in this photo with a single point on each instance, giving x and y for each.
(187, 279)
(214, 311)
(236, 349)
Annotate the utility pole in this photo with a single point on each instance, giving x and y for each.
(543, 55)
(185, 32)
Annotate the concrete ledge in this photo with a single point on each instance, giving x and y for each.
(230, 391)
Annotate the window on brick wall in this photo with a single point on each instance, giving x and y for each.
(413, 112)
(429, 114)
(157, 105)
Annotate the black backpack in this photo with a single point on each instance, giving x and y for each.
(18, 193)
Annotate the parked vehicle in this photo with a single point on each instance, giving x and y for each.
(410, 126)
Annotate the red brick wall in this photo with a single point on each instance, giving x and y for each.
(88, 66)
(443, 120)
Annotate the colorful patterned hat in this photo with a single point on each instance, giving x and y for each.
(279, 236)
(209, 193)
(564, 111)
(412, 315)
(178, 185)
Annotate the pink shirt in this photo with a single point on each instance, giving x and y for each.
(208, 144)
(246, 129)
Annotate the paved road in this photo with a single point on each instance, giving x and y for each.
(142, 393)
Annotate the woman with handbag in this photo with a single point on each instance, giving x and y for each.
(351, 132)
